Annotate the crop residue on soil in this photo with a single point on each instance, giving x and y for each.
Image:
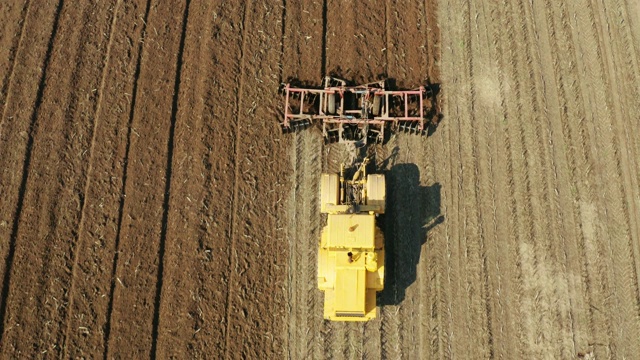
(151, 207)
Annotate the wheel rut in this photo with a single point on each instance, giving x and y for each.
(237, 150)
(10, 252)
(81, 224)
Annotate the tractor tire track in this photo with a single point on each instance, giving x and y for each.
(480, 107)
(201, 188)
(569, 311)
(462, 315)
(515, 219)
(572, 252)
(506, 267)
(261, 230)
(552, 335)
(305, 301)
(53, 208)
(91, 299)
(630, 166)
(536, 287)
(10, 44)
(618, 253)
(81, 227)
(16, 135)
(304, 295)
(623, 146)
(141, 236)
(589, 229)
(233, 255)
(168, 179)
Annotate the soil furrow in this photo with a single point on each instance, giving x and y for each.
(233, 230)
(631, 88)
(505, 221)
(201, 189)
(623, 146)
(491, 90)
(572, 252)
(14, 242)
(139, 242)
(461, 219)
(566, 269)
(481, 171)
(511, 180)
(16, 134)
(582, 194)
(470, 286)
(557, 315)
(570, 311)
(539, 284)
(122, 186)
(151, 208)
(632, 7)
(609, 196)
(262, 189)
(168, 178)
(483, 73)
(96, 247)
(52, 196)
(10, 19)
(85, 192)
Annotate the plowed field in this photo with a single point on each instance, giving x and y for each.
(150, 206)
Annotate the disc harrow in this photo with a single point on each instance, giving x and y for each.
(358, 114)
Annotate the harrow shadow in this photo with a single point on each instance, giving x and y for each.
(412, 211)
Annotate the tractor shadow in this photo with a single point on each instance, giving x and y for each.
(412, 210)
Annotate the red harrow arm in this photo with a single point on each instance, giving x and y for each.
(355, 113)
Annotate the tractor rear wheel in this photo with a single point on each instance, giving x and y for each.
(376, 191)
(331, 103)
(329, 191)
(377, 101)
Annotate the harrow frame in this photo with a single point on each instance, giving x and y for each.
(354, 113)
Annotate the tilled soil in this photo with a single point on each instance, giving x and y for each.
(151, 207)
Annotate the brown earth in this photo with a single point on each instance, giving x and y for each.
(151, 208)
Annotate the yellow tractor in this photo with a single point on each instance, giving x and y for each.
(351, 255)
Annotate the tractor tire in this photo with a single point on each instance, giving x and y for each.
(329, 191)
(377, 101)
(376, 191)
(331, 103)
